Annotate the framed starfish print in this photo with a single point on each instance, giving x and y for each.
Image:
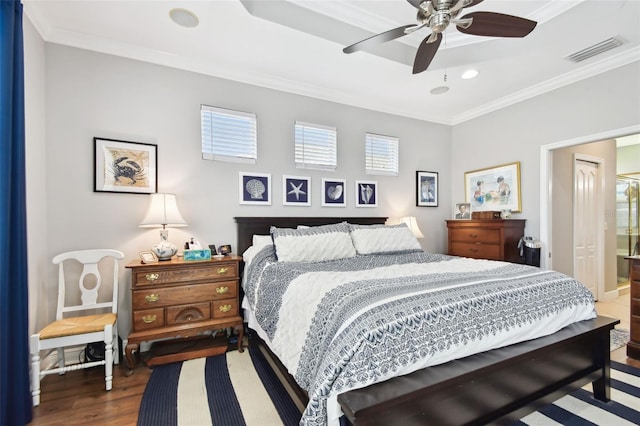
(296, 190)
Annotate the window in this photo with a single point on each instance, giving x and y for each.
(381, 155)
(315, 146)
(228, 135)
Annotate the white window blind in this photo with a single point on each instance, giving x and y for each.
(381, 155)
(228, 135)
(315, 146)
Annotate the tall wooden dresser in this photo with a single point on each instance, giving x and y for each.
(633, 347)
(494, 239)
(175, 298)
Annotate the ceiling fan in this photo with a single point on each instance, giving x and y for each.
(437, 15)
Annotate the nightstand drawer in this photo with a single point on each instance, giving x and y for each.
(478, 251)
(225, 308)
(185, 294)
(148, 318)
(186, 274)
(470, 235)
(183, 314)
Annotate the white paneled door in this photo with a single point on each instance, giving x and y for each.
(585, 210)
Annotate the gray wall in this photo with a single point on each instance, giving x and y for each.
(36, 166)
(628, 159)
(562, 207)
(91, 94)
(599, 104)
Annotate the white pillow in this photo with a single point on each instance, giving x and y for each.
(370, 239)
(259, 241)
(314, 244)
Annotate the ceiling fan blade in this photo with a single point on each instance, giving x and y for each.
(425, 54)
(415, 3)
(377, 39)
(497, 25)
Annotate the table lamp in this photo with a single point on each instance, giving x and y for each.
(163, 211)
(413, 225)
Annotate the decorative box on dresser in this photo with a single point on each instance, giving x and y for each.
(494, 239)
(178, 298)
(633, 346)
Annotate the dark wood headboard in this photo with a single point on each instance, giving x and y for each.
(250, 226)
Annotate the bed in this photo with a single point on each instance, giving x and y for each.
(451, 384)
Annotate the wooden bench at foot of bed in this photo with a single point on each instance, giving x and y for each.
(498, 386)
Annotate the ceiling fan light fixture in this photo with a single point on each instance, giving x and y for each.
(184, 18)
(439, 90)
(469, 74)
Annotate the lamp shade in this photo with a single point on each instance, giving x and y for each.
(163, 211)
(413, 225)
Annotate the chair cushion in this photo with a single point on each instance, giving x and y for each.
(77, 325)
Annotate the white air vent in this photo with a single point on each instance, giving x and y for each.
(594, 50)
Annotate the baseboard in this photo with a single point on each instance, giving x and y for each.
(71, 355)
(609, 295)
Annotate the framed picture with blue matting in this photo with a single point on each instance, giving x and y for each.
(334, 192)
(366, 193)
(255, 188)
(296, 190)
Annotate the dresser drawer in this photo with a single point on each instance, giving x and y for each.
(148, 318)
(186, 273)
(470, 235)
(166, 296)
(478, 251)
(225, 308)
(183, 314)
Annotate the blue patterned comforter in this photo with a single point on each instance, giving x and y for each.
(344, 324)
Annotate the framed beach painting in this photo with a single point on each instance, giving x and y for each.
(494, 188)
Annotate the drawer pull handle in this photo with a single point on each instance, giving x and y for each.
(222, 290)
(152, 277)
(222, 271)
(473, 250)
(473, 235)
(225, 308)
(151, 298)
(148, 319)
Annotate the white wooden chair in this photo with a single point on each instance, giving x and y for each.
(94, 318)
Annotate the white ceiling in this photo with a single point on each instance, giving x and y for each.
(296, 46)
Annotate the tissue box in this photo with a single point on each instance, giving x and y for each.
(203, 254)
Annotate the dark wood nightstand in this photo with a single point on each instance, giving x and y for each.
(183, 299)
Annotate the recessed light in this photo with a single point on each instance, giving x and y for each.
(439, 90)
(469, 74)
(184, 17)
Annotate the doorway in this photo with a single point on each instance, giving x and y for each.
(627, 223)
(556, 253)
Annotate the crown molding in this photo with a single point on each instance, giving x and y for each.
(615, 61)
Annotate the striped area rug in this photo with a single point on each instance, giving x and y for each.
(241, 389)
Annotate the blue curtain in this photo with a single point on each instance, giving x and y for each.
(15, 398)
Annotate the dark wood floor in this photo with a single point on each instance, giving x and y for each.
(79, 398)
